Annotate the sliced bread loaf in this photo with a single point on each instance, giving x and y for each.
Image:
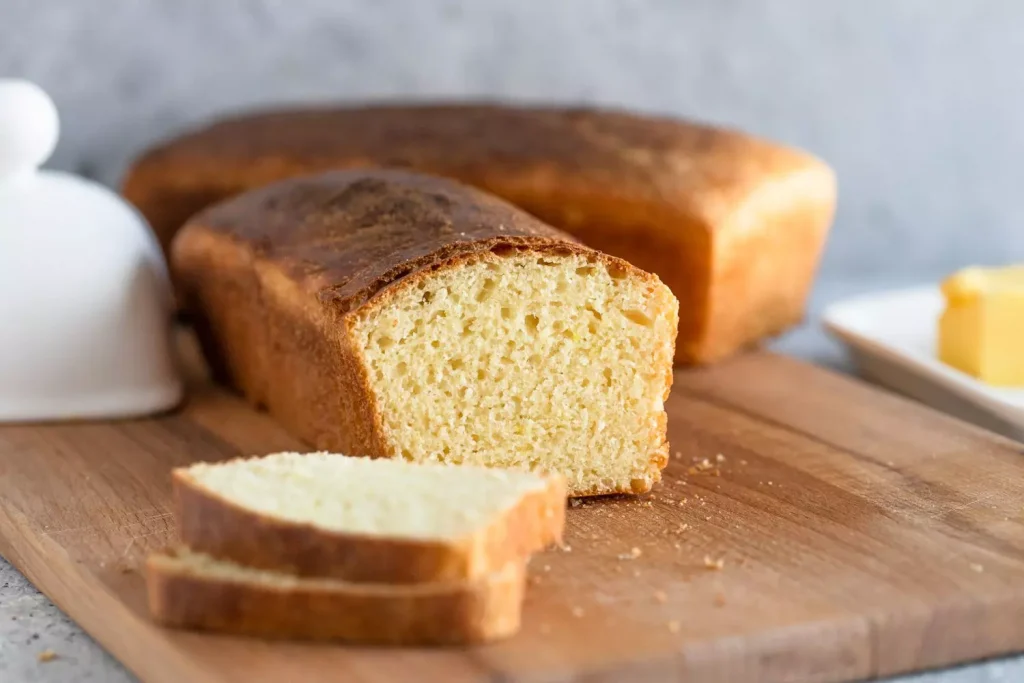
(367, 520)
(385, 313)
(195, 591)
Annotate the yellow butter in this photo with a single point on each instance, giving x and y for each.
(981, 330)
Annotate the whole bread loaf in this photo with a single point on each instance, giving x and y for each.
(732, 224)
(389, 314)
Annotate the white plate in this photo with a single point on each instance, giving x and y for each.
(892, 337)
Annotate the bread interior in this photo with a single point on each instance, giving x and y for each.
(543, 361)
(375, 497)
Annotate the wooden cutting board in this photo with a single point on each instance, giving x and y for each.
(836, 533)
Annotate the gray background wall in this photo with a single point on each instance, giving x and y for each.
(919, 104)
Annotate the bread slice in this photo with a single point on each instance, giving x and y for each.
(391, 314)
(733, 224)
(195, 591)
(360, 519)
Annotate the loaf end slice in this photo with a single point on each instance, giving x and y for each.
(197, 592)
(367, 520)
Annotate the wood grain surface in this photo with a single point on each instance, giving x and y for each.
(834, 533)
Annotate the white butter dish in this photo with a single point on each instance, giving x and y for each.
(85, 301)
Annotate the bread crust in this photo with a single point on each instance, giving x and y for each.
(181, 595)
(326, 250)
(211, 524)
(733, 224)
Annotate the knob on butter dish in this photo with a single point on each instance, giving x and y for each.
(86, 309)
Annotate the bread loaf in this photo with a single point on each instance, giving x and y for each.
(366, 520)
(197, 592)
(732, 224)
(391, 314)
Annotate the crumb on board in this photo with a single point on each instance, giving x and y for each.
(577, 611)
(701, 467)
(46, 656)
(683, 500)
(633, 553)
(566, 548)
(660, 596)
(975, 567)
(674, 626)
(547, 567)
(636, 573)
(743, 462)
(575, 502)
(712, 563)
(719, 600)
(719, 458)
(678, 454)
(682, 527)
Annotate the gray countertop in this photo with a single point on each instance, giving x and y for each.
(31, 624)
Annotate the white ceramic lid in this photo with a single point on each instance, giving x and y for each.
(86, 311)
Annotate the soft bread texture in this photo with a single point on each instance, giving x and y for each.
(194, 591)
(367, 520)
(734, 225)
(391, 314)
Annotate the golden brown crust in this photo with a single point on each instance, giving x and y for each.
(734, 225)
(290, 267)
(181, 595)
(210, 524)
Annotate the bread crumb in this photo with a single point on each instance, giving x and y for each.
(975, 567)
(575, 502)
(566, 548)
(720, 458)
(547, 567)
(577, 612)
(46, 656)
(683, 501)
(636, 573)
(660, 596)
(673, 626)
(890, 463)
(702, 466)
(678, 454)
(633, 553)
(713, 564)
(719, 600)
(683, 527)
(707, 519)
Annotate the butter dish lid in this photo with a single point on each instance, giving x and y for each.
(86, 310)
